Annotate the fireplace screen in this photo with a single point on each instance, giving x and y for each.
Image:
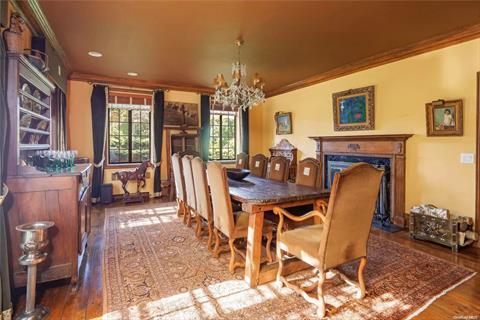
(337, 163)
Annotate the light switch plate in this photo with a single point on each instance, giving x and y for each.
(467, 158)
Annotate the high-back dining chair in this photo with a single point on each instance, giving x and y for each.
(179, 184)
(336, 240)
(258, 165)
(223, 216)
(308, 173)
(191, 204)
(202, 196)
(241, 161)
(279, 168)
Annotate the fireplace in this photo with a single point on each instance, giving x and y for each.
(337, 163)
(335, 153)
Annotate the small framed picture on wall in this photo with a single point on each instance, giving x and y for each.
(444, 118)
(283, 122)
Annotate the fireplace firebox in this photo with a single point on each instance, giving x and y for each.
(337, 163)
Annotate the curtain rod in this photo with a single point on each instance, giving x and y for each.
(140, 89)
(114, 86)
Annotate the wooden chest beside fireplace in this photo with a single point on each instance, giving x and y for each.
(385, 146)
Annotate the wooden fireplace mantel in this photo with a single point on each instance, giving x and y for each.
(390, 146)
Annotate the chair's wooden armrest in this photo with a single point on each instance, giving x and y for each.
(279, 211)
(282, 212)
(322, 205)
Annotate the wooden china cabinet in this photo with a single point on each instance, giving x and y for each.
(61, 197)
(182, 142)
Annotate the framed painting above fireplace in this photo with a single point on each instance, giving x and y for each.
(354, 109)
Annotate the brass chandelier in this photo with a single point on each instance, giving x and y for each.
(238, 94)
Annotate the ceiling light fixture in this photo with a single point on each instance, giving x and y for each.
(95, 54)
(132, 74)
(238, 94)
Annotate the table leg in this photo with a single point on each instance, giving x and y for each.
(254, 248)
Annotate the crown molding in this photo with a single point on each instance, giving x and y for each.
(138, 83)
(39, 24)
(437, 42)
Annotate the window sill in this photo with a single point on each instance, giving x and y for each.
(122, 165)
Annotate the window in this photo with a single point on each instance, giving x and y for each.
(223, 132)
(128, 130)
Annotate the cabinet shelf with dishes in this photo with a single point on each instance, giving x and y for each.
(30, 93)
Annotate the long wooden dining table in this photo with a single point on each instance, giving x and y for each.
(258, 195)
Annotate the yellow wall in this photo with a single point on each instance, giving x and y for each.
(434, 172)
(80, 129)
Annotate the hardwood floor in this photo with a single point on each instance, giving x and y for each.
(85, 300)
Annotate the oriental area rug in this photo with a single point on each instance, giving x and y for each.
(155, 268)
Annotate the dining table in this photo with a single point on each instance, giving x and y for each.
(257, 196)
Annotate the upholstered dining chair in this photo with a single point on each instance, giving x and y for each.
(241, 161)
(191, 203)
(308, 173)
(223, 217)
(202, 196)
(279, 168)
(337, 240)
(177, 169)
(258, 165)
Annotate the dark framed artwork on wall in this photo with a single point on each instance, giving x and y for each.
(444, 118)
(181, 114)
(354, 109)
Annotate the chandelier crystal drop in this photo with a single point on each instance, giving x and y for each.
(238, 94)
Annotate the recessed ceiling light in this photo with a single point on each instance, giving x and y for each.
(95, 54)
(132, 74)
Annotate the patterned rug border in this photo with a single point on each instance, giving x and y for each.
(441, 294)
(112, 211)
(109, 212)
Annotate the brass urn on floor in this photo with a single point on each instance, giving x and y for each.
(34, 238)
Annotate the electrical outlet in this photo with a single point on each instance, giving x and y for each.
(467, 158)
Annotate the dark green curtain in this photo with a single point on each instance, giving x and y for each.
(244, 118)
(158, 116)
(98, 102)
(5, 299)
(205, 126)
(63, 121)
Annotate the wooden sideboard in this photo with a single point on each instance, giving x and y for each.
(63, 198)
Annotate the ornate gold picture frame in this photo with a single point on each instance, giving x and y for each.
(444, 118)
(283, 122)
(354, 109)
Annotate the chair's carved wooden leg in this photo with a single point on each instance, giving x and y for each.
(321, 303)
(231, 266)
(269, 242)
(185, 212)
(361, 280)
(198, 227)
(216, 249)
(209, 242)
(189, 217)
(179, 209)
(280, 265)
